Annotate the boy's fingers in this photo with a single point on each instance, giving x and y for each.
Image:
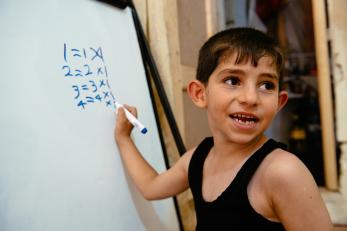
(120, 113)
(132, 110)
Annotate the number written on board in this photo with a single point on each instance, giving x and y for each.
(88, 66)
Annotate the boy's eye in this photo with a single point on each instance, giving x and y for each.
(232, 81)
(267, 86)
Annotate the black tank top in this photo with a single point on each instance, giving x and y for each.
(232, 209)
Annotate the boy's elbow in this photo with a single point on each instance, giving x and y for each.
(149, 196)
(152, 195)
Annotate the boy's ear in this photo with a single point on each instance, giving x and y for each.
(196, 91)
(282, 100)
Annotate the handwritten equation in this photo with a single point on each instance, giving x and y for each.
(88, 67)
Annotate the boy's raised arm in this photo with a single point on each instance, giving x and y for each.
(151, 184)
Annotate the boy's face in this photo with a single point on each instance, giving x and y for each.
(241, 100)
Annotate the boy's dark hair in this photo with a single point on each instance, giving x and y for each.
(248, 43)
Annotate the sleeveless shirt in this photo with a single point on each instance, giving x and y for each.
(232, 209)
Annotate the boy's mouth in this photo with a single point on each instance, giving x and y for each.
(244, 118)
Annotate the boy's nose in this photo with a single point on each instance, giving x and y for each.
(248, 95)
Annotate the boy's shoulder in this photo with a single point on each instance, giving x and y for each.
(292, 193)
(184, 160)
(281, 163)
(282, 169)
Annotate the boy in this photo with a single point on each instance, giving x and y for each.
(240, 179)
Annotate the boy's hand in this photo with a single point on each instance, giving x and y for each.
(123, 126)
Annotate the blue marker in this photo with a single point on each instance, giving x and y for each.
(132, 119)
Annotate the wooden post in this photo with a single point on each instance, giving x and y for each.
(325, 93)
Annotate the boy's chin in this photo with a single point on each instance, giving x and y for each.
(245, 139)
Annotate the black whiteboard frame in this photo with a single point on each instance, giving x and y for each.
(151, 71)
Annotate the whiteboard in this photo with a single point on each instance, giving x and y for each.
(63, 63)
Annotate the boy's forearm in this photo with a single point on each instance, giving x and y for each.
(138, 168)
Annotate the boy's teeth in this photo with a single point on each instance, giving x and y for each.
(242, 116)
(245, 121)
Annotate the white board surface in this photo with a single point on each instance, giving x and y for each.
(63, 62)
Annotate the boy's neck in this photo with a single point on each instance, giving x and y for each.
(227, 149)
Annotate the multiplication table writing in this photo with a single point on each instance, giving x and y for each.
(87, 65)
